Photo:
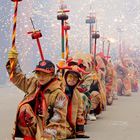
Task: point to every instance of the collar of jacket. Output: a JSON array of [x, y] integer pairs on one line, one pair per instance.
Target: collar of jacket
[[51, 84], [51, 87]]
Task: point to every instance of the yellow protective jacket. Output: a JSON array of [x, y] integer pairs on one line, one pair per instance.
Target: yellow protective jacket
[[54, 97], [75, 114]]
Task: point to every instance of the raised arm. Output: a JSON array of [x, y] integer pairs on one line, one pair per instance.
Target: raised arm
[[19, 79]]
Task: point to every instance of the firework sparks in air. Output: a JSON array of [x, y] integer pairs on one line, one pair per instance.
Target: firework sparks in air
[[111, 15]]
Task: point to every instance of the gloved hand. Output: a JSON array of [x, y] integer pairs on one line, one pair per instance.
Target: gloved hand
[[82, 136], [12, 54]]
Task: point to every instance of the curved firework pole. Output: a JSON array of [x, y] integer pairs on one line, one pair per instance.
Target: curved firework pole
[[95, 36], [103, 43], [63, 17], [90, 20], [12, 64], [66, 28], [109, 41], [36, 34], [108, 50]]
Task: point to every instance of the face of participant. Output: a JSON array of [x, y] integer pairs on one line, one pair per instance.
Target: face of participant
[[43, 77], [72, 79]]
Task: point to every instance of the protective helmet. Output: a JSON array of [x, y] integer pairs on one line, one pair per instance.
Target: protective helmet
[[45, 66], [73, 68]]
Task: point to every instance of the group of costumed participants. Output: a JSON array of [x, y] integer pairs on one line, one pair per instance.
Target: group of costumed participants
[[56, 105], [59, 100]]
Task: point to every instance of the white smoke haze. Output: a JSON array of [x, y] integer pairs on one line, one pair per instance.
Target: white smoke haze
[[118, 19]]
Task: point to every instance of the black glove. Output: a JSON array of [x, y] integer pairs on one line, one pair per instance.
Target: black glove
[[82, 136]]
